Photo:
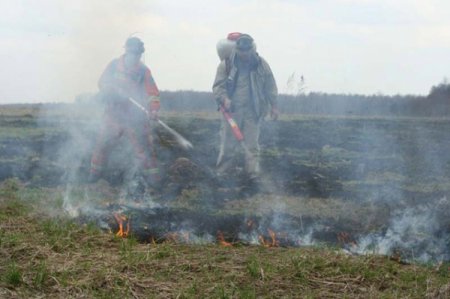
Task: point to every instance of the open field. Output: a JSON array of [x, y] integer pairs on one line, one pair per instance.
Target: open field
[[336, 187]]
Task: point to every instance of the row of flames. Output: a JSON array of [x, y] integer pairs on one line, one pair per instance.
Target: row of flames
[[125, 226], [269, 241]]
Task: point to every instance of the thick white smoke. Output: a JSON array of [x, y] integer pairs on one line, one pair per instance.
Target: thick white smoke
[[416, 233]]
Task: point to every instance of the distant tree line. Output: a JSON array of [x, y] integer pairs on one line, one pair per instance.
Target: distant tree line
[[436, 103]]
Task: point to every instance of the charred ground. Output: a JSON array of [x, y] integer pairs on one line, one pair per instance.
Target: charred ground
[[328, 179]]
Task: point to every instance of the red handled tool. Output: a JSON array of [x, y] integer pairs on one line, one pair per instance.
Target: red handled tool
[[234, 127]]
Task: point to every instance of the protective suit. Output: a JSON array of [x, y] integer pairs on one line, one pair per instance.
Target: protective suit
[[126, 77], [245, 84]]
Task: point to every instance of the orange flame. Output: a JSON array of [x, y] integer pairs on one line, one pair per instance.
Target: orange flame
[[222, 241], [273, 236], [273, 242], [346, 238], [121, 220]]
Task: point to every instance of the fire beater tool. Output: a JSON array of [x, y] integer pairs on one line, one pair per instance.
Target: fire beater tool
[[234, 128], [180, 139]]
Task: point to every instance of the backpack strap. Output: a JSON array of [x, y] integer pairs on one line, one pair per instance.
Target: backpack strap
[[227, 66], [231, 77]]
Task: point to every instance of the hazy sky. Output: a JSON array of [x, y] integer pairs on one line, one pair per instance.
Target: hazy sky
[[53, 50]]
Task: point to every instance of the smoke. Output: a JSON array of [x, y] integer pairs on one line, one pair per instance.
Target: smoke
[[417, 227], [80, 124], [416, 233]]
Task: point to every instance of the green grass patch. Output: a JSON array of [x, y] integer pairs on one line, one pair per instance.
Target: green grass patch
[[12, 276]]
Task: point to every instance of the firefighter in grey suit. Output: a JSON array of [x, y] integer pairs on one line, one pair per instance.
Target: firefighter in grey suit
[[245, 86]]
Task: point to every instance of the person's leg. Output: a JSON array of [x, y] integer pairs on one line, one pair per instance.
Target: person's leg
[[251, 129], [227, 151], [109, 133], [142, 143]]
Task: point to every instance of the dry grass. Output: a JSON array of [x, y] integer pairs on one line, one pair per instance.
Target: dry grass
[[43, 257]]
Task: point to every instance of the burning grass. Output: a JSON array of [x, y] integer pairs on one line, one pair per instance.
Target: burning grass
[[41, 256]]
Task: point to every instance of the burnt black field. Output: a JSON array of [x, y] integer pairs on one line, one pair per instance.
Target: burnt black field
[[348, 181]]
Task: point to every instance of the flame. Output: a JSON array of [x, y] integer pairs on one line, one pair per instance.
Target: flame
[[222, 241], [273, 242], [273, 236], [346, 238], [121, 220]]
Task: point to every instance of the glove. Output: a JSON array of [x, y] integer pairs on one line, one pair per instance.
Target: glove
[[226, 103], [155, 105], [274, 113]]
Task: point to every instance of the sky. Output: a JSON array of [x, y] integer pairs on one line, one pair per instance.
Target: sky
[[53, 50]]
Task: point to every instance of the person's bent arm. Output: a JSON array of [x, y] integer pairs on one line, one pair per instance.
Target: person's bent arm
[[271, 92], [220, 86], [153, 93]]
